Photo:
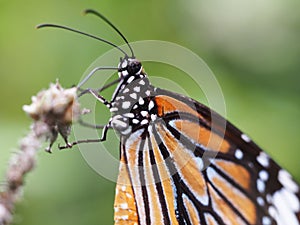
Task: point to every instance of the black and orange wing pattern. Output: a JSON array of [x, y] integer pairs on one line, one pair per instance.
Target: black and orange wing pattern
[[176, 168]]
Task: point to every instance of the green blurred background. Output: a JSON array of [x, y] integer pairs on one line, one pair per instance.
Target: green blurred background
[[252, 47]]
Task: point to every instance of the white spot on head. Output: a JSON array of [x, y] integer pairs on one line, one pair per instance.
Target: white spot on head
[[124, 73], [124, 64], [245, 138], [238, 154], [151, 105], [263, 159], [126, 105], [286, 180], [137, 89], [133, 95], [263, 175], [260, 185]]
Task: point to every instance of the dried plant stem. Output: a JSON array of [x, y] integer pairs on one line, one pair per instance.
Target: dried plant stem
[[53, 112], [21, 164]]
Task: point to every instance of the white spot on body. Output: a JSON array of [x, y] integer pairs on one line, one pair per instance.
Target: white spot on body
[[153, 117], [126, 105], [135, 121], [145, 121], [263, 159], [119, 97], [114, 109], [238, 154], [151, 105], [245, 138], [129, 115], [130, 79], [137, 89], [141, 101], [133, 95], [144, 113]]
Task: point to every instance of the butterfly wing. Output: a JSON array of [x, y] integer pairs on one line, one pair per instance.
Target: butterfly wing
[[186, 168]]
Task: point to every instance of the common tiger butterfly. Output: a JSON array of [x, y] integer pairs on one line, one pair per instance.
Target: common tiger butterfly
[[176, 168]]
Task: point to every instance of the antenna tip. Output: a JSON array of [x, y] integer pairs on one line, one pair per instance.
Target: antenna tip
[[87, 11], [40, 26]]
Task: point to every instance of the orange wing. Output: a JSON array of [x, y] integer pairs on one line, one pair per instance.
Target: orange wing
[[180, 170]]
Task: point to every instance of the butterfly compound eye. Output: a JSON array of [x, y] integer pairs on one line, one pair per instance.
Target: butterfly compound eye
[[134, 67]]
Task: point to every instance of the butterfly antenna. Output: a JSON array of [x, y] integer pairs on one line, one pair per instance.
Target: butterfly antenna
[[83, 33], [91, 11]]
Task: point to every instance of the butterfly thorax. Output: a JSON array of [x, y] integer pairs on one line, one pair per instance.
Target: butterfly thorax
[[131, 103]]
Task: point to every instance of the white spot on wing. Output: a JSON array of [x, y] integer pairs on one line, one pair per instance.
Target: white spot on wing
[[260, 185], [263, 159], [238, 154], [286, 180], [263, 175], [245, 138], [286, 204], [266, 220]]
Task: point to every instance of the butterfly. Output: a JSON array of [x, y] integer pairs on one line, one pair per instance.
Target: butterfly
[[180, 165]]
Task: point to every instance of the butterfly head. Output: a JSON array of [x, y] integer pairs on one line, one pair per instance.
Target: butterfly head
[[130, 66]]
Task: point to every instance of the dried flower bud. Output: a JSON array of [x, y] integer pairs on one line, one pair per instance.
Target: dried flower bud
[[57, 107]]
